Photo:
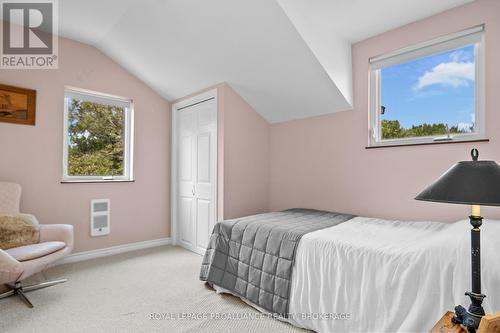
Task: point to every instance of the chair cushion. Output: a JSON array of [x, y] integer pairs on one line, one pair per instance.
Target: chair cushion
[[34, 251]]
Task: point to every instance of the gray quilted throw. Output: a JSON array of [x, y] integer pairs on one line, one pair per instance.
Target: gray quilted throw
[[253, 256]]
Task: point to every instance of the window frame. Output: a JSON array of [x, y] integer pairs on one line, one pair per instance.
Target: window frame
[[474, 35], [97, 97]]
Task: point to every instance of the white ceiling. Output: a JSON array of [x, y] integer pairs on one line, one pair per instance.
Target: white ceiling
[[289, 59], [355, 20]]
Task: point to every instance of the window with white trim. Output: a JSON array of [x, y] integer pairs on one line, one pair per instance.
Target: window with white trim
[[98, 137], [429, 93]]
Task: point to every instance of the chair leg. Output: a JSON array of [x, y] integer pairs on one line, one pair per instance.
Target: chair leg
[[7, 294], [19, 290], [23, 297], [43, 285]]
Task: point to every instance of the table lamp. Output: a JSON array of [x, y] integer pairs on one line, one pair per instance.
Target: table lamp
[[472, 183]]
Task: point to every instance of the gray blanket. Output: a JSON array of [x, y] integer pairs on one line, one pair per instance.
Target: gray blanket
[[253, 256]]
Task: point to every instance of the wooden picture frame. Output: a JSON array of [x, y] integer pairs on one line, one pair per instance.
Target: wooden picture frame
[[17, 105]]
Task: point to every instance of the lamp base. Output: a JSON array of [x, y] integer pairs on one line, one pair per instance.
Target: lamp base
[[472, 317]]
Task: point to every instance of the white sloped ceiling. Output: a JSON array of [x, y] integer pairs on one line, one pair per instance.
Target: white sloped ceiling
[[289, 60]]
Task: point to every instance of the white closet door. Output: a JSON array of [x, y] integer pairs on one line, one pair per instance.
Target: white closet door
[[197, 174], [186, 176]]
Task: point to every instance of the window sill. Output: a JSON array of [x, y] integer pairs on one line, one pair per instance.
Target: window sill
[[425, 143], [96, 181]]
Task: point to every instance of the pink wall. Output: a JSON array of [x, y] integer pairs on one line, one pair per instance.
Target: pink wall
[[32, 155], [243, 155], [318, 162], [246, 158], [322, 162]]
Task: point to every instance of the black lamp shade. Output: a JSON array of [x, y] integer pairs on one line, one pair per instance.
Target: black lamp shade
[[467, 182]]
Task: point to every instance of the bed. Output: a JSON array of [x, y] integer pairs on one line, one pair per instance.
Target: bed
[[351, 273]]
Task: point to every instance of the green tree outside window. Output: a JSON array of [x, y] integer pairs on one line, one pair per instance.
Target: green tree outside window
[[96, 139], [391, 129]]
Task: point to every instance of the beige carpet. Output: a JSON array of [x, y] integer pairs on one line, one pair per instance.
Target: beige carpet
[[119, 293]]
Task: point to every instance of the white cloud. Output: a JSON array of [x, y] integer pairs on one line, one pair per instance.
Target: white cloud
[[460, 55], [465, 127], [454, 74]]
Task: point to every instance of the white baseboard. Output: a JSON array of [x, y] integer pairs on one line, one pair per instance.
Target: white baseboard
[[109, 251]]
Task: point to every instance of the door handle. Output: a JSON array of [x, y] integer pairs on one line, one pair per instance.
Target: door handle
[[192, 190]]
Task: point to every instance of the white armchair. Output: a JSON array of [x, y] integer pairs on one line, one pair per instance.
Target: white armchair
[[19, 263]]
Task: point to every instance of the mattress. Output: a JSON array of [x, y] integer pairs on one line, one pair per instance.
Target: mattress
[[373, 275]]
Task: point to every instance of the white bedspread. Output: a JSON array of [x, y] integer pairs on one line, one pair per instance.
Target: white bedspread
[[389, 275]]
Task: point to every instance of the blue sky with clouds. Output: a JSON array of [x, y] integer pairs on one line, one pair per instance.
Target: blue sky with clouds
[[434, 89]]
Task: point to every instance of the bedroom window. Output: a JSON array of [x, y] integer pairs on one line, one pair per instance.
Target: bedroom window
[[98, 137], [429, 93]]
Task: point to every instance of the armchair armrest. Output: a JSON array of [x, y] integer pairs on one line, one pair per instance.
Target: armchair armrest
[[10, 268], [57, 232]]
